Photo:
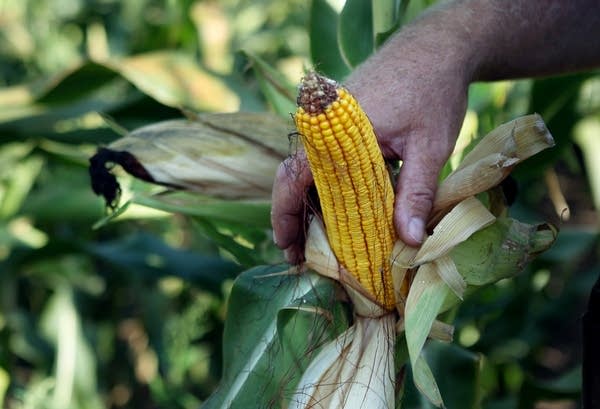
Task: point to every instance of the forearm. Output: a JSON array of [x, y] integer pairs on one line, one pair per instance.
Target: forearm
[[528, 38], [499, 39]]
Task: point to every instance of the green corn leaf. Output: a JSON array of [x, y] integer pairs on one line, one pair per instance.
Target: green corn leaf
[[458, 373], [172, 78], [324, 48], [149, 258], [280, 93], [264, 355], [355, 31], [247, 213]]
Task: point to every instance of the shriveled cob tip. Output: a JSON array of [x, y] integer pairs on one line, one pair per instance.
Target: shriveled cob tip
[[316, 93]]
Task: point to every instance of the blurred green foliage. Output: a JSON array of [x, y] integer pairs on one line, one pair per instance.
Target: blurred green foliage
[[131, 314]]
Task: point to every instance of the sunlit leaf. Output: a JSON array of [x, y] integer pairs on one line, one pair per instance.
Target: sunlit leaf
[[586, 136], [172, 78], [176, 79], [75, 367], [355, 31], [20, 173], [324, 48], [274, 86]]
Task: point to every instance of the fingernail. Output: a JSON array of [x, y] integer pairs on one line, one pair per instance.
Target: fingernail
[[274, 237], [416, 229]]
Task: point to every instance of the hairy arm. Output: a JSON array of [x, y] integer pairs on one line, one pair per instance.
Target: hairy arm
[[414, 90]]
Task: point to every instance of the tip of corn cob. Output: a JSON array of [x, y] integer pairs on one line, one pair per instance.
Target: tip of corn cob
[[316, 93]]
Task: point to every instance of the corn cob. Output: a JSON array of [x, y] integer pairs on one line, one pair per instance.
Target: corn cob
[[352, 181]]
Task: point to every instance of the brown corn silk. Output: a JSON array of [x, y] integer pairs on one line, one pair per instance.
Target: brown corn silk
[[351, 177]]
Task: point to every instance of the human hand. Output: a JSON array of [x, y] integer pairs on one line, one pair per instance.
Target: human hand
[[416, 99]]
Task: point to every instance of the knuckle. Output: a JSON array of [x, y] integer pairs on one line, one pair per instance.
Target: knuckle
[[294, 169], [421, 197]]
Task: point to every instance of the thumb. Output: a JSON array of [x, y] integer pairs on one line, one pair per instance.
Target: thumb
[[416, 188], [290, 187]]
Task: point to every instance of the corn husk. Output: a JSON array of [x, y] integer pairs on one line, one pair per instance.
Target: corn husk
[[230, 156], [435, 280], [491, 160], [354, 371], [318, 253]]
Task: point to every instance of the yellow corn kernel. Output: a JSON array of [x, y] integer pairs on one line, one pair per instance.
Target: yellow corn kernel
[[351, 177]]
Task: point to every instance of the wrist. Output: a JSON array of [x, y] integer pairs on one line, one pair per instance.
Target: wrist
[[443, 43]]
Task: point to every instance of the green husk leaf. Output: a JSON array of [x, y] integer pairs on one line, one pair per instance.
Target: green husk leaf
[[425, 298], [425, 381], [501, 250]]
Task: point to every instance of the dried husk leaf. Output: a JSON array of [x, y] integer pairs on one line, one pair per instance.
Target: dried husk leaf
[[520, 138], [401, 259], [491, 160], [357, 369], [354, 371], [441, 331], [472, 179], [459, 224], [229, 156], [318, 253], [449, 273], [436, 276], [310, 387], [363, 302]]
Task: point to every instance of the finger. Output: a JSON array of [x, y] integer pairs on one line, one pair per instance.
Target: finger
[[292, 180], [417, 184]]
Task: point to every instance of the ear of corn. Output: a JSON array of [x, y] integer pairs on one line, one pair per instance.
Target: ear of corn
[[354, 187]]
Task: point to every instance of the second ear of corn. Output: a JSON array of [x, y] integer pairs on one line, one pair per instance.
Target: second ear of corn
[[354, 187]]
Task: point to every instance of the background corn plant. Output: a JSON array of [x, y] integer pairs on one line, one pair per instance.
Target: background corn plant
[[130, 313]]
